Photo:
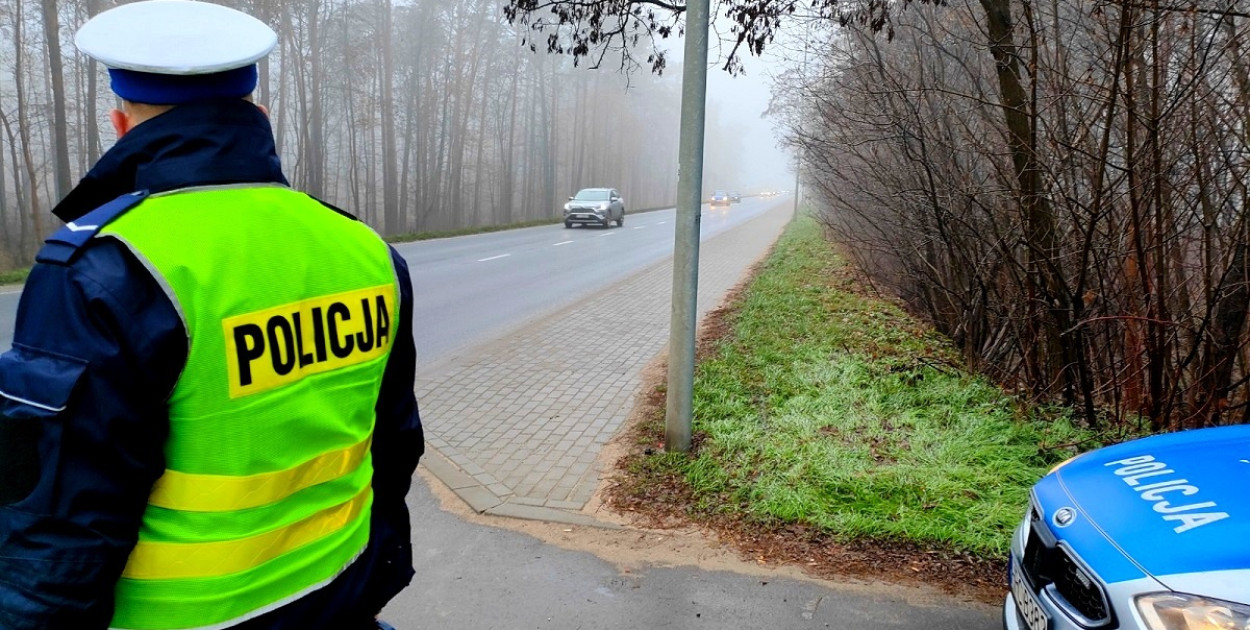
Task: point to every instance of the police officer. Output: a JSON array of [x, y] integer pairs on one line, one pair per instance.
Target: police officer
[[207, 417]]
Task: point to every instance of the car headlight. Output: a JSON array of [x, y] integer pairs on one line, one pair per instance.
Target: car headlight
[[1178, 611], [566, 207], [603, 206]]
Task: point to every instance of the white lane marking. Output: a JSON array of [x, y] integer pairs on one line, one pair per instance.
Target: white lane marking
[[661, 222], [494, 257], [10, 292], [562, 243], [640, 227], [603, 235]]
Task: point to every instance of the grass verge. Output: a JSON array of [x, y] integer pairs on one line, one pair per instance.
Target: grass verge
[[16, 276], [826, 419]]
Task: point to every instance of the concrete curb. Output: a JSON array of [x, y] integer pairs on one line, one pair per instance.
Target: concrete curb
[[482, 500]]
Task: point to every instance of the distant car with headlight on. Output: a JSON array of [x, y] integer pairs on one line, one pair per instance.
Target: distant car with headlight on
[[1152, 534]]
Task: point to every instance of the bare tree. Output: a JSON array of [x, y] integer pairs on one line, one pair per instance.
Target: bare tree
[[60, 126]]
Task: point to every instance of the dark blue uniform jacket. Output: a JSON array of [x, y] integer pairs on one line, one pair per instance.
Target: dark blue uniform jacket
[[97, 349]]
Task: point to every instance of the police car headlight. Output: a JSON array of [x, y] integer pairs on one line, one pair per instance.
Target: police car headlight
[[1178, 611], [566, 207], [603, 206]]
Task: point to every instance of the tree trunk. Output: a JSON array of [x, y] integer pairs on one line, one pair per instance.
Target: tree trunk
[[19, 189], [1229, 320], [29, 239], [1059, 362], [315, 148], [60, 126], [390, 175], [507, 155], [94, 146]]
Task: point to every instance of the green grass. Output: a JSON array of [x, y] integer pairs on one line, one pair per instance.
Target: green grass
[[14, 277], [836, 411]]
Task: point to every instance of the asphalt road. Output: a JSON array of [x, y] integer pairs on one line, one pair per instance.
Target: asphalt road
[[8, 312], [471, 289]]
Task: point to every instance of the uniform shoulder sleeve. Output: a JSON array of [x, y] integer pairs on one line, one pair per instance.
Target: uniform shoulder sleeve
[[97, 346], [63, 246]]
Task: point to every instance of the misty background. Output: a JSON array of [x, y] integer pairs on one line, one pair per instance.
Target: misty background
[[416, 116]]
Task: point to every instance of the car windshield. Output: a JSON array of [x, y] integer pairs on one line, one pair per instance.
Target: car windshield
[[592, 195]]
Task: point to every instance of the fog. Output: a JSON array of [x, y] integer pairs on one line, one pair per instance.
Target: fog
[[742, 143], [417, 116]]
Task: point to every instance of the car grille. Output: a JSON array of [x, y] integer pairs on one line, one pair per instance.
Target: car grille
[[1044, 565], [1076, 586]]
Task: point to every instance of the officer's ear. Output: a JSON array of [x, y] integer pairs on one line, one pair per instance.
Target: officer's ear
[[121, 122]]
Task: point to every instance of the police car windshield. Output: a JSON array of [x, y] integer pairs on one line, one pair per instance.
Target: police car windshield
[[592, 195]]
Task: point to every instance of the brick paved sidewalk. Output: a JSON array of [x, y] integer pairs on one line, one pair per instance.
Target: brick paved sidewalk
[[515, 427]]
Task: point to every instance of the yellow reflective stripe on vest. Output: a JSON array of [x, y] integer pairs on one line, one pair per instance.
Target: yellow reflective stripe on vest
[[219, 493], [168, 561]]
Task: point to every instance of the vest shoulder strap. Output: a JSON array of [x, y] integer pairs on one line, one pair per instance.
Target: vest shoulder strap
[[62, 247]]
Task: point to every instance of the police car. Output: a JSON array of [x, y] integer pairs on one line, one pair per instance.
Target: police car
[[1152, 534]]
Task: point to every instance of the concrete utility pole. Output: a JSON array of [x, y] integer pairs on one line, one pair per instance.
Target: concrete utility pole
[[681, 337]]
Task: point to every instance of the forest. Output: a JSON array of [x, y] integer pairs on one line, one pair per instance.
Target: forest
[[1059, 185], [417, 116]]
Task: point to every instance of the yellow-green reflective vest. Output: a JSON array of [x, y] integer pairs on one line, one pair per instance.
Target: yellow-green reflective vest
[[289, 308]]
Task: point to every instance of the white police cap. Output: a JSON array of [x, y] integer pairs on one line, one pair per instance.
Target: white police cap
[[175, 37]]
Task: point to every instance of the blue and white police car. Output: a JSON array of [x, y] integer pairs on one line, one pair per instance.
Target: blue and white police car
[[1152, 534]]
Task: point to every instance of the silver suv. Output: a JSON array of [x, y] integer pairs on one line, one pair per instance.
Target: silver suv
[[595, 206]]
